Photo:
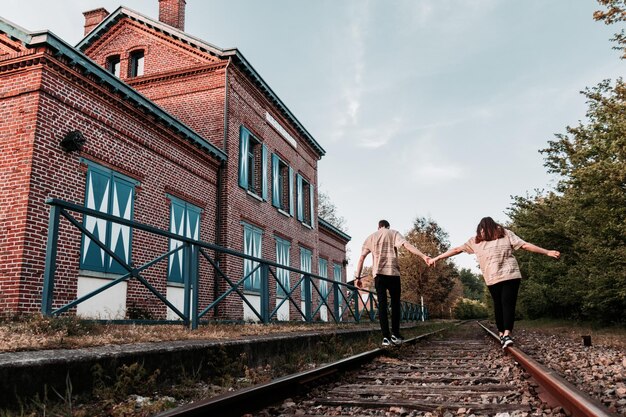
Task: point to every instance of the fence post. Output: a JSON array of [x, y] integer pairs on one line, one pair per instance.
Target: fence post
[[307, 298], [265, 293], [336, 301], [357, 308], [187, 283], [193, 271], [51, 260]]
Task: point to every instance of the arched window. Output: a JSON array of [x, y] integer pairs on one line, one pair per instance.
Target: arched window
[[113, 65], [135, 66]]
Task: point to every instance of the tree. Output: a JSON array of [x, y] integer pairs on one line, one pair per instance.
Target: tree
[[473, 284], [615, 12], [435, 284], [585, 218], [328, 211]]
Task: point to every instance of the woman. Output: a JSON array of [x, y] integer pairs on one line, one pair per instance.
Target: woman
[[493, 246]]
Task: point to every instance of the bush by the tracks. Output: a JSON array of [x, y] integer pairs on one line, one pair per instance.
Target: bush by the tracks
[[467, 309]]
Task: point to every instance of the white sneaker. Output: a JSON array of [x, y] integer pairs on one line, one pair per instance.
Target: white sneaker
[[386, 342], [397, 340], [506, 341]]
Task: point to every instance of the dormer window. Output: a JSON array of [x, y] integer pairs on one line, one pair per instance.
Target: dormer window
[[113, 65], [135, 67]]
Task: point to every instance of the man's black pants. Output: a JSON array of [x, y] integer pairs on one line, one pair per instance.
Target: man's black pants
[[383, 284]]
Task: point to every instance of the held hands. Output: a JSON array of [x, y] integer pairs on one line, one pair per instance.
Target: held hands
[[430, 261]]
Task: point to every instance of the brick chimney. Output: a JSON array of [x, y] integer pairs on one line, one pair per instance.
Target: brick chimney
[[172, 12], [93, 18]]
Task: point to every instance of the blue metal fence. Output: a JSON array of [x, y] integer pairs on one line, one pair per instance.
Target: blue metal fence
[[349, 304]]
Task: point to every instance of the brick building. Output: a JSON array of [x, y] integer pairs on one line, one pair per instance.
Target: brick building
[[172, 132]]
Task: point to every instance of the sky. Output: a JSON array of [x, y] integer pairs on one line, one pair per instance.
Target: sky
[[426, 108]]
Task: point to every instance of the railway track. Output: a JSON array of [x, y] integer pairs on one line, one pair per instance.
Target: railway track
[[460, 372]]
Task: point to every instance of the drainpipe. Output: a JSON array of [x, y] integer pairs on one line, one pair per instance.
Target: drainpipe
[[220, 184]]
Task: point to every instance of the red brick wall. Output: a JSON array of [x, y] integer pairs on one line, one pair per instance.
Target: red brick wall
[[161, 52], [247, 107], [196, 98], [18, 114], [120, 137]]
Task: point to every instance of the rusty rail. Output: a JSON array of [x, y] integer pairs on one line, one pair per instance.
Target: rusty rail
[[571, 398]]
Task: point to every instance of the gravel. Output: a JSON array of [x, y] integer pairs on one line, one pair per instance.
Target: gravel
[[599, 370]]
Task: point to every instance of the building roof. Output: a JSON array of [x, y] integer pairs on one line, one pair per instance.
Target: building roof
[[232, 53], [87, 66], [325, 225]]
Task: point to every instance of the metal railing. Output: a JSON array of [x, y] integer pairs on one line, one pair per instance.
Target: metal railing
[[348, 303]]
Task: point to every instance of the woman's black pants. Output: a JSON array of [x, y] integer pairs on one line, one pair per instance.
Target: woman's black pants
[[504, 295]]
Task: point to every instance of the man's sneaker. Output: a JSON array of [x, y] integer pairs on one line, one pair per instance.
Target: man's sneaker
[[386, 342], [506, 341], [397, 340], [501, 340]]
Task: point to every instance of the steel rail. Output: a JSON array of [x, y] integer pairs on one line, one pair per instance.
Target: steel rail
[[248, 399], [578, 403]]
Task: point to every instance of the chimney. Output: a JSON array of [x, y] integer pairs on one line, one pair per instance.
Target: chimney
[[172, 12], [93, 18]]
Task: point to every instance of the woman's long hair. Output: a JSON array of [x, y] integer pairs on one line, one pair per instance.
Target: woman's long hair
[[488, 230]]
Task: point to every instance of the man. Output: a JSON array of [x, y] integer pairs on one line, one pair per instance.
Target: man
[[383, 245]]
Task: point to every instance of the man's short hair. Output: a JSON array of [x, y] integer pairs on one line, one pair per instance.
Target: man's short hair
[[383, 223]]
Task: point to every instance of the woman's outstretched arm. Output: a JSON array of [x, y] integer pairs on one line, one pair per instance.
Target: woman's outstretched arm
[[536, 249]]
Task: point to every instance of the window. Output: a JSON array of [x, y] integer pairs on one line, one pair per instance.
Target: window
[[112, 193], [323, 272], [184, 221], [252, 239], [282, 185], [305, 201], [337, 273], [252, 164], [283, 248], [113, 65], [305, 265], [135, 67]]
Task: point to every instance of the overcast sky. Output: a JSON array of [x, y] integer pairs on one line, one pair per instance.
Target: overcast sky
[[426, 108]]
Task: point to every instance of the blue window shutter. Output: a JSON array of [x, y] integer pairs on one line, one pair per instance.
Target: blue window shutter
[[337, 273], [291, 208], [177, 226], [323, 272], [252, 246], [120, 237], [300, 198], [96, 198], [282, 258], [312, 199], [264, 172], [256, 236], [193, 222], [275, 181], [305, 264], [244, 143]]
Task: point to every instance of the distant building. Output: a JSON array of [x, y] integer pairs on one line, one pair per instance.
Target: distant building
[[163, 129]]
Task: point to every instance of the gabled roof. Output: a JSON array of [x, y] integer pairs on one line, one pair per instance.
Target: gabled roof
[[87, 66], [233, 53]]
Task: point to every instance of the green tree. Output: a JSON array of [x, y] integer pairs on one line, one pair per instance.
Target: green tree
[[473, 284], [585, 219], [435, 284]]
